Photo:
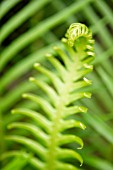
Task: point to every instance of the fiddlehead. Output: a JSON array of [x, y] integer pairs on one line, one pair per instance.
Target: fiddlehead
[[79, 37], [64, 89]]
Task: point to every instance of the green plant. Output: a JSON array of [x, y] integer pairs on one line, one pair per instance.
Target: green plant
[[53, 117], [29, 30]]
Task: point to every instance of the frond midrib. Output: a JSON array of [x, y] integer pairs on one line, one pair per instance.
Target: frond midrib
[[57, 123]]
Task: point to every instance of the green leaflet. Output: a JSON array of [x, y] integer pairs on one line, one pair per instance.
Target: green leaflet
[[19, 160], [52, 119], [23, 158]]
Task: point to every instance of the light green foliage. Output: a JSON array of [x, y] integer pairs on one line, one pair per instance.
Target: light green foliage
[[29, 31], [53, 117]]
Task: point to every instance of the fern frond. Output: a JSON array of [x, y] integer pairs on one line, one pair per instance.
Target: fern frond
[[53, 118]]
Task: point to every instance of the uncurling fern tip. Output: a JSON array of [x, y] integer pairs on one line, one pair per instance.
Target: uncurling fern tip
[[64, 87]]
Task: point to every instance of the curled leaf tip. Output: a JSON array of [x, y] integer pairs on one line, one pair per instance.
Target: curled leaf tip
[[81, 146], [83, 109], [24, 95], [75, 31], [88, 66], [87, 81], [82, 126], [90, 53], [36, 64], [64, 40], [31, 79], [87, 94], [13, 111], [81, 164], [48, 55], [55, 48]]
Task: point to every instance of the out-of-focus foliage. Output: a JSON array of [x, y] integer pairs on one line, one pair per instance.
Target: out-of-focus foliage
[[29, 30]]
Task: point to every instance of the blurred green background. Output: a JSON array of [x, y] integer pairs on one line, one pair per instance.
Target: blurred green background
[[29, 29]]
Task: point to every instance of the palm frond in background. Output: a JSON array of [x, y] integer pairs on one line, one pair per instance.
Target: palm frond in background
[[29, 29]]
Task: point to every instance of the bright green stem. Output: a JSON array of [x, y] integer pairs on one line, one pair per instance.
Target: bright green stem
[[51, 165]]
